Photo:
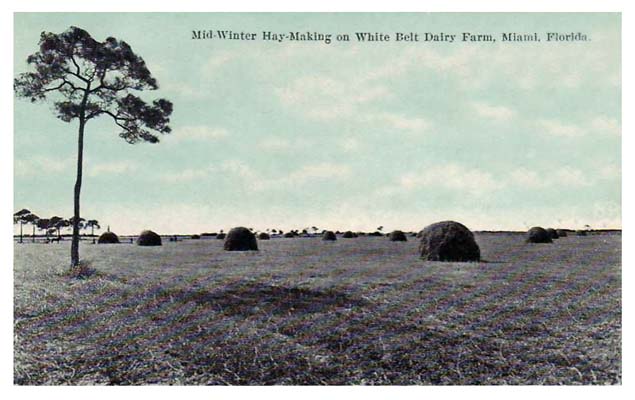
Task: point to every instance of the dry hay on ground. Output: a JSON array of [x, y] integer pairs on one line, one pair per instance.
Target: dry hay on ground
[[108, 238], [329, 235], [240, 239], [397, 236], [538, 234], [448, 241], [149, 238]]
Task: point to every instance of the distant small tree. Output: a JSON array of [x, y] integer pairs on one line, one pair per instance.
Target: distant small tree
[[33, 220], [43, 224], [88, 79], [92, 224], [20, 218], [57, 223]]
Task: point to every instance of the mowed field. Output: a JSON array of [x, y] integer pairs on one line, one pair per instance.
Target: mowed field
[[304, 311]]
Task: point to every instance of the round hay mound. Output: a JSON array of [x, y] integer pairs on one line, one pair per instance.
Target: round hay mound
[[348, 235], [108, 238], [397, 236], [221, 236], [263, 236], [149, 238], [553, 233], [289, 235], [538, 235], [240, 239], [580, 233], [448, 241], [329, 235], [561, 232]]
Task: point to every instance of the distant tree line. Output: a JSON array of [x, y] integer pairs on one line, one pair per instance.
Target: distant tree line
[[50, 226]]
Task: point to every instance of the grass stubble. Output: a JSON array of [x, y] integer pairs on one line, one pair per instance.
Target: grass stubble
[[308, 312]]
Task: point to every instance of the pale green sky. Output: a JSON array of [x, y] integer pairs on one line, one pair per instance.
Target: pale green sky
[[342, 135]]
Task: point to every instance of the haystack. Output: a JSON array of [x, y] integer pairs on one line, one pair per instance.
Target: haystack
[[397, 236], [108, 238], [538, 235], [289, 235], [561, 232], [329, 235], [553, 233], [448, 241], [240, 239], [263, 236], [195, 237], [348, 235], [149, 238]]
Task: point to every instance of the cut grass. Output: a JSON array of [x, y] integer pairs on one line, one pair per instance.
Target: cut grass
[[307, 312]]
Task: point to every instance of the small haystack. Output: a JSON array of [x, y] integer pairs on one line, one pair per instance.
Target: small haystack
[[538, 235], [149, 238], [263, 236], [553, 233], [348, 235], [289, 235], [240, 239], [448, 241], [108, 238], [397, 236], [561, 232], [329, 235], [195, 237]]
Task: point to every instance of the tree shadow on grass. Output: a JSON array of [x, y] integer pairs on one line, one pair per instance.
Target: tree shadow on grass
[[248, 298]]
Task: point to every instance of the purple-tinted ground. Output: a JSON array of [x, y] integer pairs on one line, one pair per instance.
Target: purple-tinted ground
[[304, 311]]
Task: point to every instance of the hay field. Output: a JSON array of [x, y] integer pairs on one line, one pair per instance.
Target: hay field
[[305, 311]]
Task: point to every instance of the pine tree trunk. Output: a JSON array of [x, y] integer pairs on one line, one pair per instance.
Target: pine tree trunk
[[76, 194], [20, 231], [78, 181]]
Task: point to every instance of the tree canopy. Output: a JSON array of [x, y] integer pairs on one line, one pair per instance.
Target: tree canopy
[[88, 79]]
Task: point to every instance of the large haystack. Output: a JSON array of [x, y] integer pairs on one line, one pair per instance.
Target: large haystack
[[553, 233], [448, 241], [329, 235], [561, 232], [149, 238], [397, 236], [348, 235], [108, 238], [240, 239], [263, 236], [538, 235]]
